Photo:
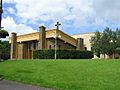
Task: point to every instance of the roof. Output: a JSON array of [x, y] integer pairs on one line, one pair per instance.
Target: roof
[[49, 34]]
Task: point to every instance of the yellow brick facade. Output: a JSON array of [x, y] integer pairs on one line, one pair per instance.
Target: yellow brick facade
[[27, 43], [86, 37]]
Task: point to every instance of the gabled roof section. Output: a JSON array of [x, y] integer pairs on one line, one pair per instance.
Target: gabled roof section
[[27, 37], [49, 34], [63, 36], [67, 38]]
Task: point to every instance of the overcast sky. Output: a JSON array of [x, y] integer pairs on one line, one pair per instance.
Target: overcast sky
[[76, 16]]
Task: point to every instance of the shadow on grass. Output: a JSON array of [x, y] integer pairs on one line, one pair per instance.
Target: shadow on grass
[[1, 77], [1, 60]]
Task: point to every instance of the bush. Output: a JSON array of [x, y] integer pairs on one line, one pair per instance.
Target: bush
[[4, 50], [62, 54], [5, 56]]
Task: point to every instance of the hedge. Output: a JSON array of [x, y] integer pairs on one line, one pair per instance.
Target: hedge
[[62, 54], [4, 56]]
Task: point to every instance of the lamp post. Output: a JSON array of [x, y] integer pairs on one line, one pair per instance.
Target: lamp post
[[1, 11], [3, 32], [57, 25], [55, 44]]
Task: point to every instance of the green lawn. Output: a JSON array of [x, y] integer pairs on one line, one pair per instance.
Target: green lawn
[[65, 74]]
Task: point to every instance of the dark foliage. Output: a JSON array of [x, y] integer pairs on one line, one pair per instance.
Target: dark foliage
[[4, 50], [3, 33], [62, 54]]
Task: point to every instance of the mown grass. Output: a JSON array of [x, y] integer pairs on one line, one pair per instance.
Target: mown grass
[[65, 74]]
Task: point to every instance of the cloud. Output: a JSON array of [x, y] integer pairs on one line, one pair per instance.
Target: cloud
[[68, 12], [109, 9], [79, 15], [8, 1], [51, 9], [11, 10], [10, 25]]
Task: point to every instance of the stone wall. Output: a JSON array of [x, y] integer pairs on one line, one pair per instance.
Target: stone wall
[[42, 37], [86, 37], [80, 44], [13, 46]]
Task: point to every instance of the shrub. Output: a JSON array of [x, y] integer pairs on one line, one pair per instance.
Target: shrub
[[5, 56], [62, 54], [4, 50]]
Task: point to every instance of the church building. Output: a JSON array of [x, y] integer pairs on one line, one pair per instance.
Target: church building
[[22, 46]]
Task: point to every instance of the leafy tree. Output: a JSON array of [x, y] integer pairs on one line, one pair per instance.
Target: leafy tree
[[4, 50], [4, 45], [118, 51], [105, 43], [118, 37], [96, 41], [3, 33]]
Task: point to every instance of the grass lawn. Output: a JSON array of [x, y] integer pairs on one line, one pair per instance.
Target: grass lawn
[[65, 74]]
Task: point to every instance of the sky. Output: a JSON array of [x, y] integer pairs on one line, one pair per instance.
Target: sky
[[75, 16]]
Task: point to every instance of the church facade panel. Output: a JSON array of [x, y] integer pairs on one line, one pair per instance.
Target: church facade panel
[[44, 39]]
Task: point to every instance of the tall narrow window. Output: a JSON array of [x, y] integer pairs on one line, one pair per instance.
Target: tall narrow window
[[29, 45], [50, 46], [35, 45], [85, 48]]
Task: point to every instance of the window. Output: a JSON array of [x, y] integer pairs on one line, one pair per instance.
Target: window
[[35, 45], [50, 46], [29, 45], [85, 48]]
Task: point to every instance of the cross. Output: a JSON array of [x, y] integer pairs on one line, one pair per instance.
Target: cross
[[57, 25]]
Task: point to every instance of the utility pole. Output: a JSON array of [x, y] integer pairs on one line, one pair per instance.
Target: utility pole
[[1, 11]]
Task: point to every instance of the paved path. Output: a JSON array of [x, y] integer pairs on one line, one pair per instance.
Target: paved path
[[11, 85]]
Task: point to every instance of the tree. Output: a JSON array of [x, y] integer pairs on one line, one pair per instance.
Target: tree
[[96, 43], [4, 50], [3, 33], [118, 51], [105, 43], [118, 37], [4, 45]]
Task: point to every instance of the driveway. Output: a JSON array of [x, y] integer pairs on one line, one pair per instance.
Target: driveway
[[11, 85]]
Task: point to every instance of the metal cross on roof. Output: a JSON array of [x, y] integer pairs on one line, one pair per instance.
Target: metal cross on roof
[[57, 25]]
